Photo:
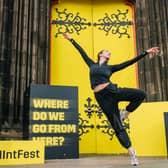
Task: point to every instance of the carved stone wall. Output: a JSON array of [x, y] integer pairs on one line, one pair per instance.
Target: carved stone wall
[[24, 54], [24, 51], [152, 30]]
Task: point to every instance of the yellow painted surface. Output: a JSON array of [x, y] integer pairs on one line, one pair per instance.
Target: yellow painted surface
[[122, 49], [21, 152], [148, 130], [67, 68]]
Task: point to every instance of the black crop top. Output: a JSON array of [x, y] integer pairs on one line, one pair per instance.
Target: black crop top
[[101, 73]]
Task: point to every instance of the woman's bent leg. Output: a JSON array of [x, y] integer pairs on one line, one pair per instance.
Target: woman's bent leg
[[134, 96]]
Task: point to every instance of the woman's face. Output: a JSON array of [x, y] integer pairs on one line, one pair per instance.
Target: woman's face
[[106, 54]]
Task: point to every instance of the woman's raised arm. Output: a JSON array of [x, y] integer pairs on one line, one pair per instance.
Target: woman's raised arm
[[86, 58]]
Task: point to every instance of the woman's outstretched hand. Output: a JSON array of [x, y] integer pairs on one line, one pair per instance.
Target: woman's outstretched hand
[[153, 51], [67, 36]]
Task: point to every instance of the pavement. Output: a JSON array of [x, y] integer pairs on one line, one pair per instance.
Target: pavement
[[100, 161]]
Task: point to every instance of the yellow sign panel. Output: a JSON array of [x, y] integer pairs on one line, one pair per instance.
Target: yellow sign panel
[[148, 130], [21, 152]]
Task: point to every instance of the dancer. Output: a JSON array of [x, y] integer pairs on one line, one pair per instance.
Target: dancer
[[108, 95]]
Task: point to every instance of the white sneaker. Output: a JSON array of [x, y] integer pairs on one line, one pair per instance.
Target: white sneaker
[[123, 115], [134, 160]]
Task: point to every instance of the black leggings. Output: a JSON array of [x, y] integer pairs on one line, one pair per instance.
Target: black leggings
[[108, 101]]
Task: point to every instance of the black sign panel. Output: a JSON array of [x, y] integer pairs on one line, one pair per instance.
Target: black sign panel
[[166, 129], [54, 119]]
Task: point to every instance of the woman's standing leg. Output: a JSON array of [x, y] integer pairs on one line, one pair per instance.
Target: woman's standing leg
[[109, 105], [135, 97]]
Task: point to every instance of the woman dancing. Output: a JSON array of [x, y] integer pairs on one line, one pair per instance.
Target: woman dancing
[[108, 95]]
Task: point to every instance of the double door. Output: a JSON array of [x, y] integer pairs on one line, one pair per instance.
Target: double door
[[95, 25]]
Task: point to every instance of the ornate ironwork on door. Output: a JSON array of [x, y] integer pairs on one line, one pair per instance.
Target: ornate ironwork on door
[[69, 22], [85, 126], [114, 23]]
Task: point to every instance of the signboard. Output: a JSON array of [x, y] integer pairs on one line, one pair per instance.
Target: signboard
[[54, 119], [21, 152], [166, 129]]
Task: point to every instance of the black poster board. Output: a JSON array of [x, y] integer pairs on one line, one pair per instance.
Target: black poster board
[[54, 119], [166, 129]]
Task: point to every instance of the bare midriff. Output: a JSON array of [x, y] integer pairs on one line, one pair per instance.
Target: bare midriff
[[100, 86]]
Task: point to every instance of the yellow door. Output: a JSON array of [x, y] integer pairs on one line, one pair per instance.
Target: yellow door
[[67, 66], [113, 30], [95, 25]]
